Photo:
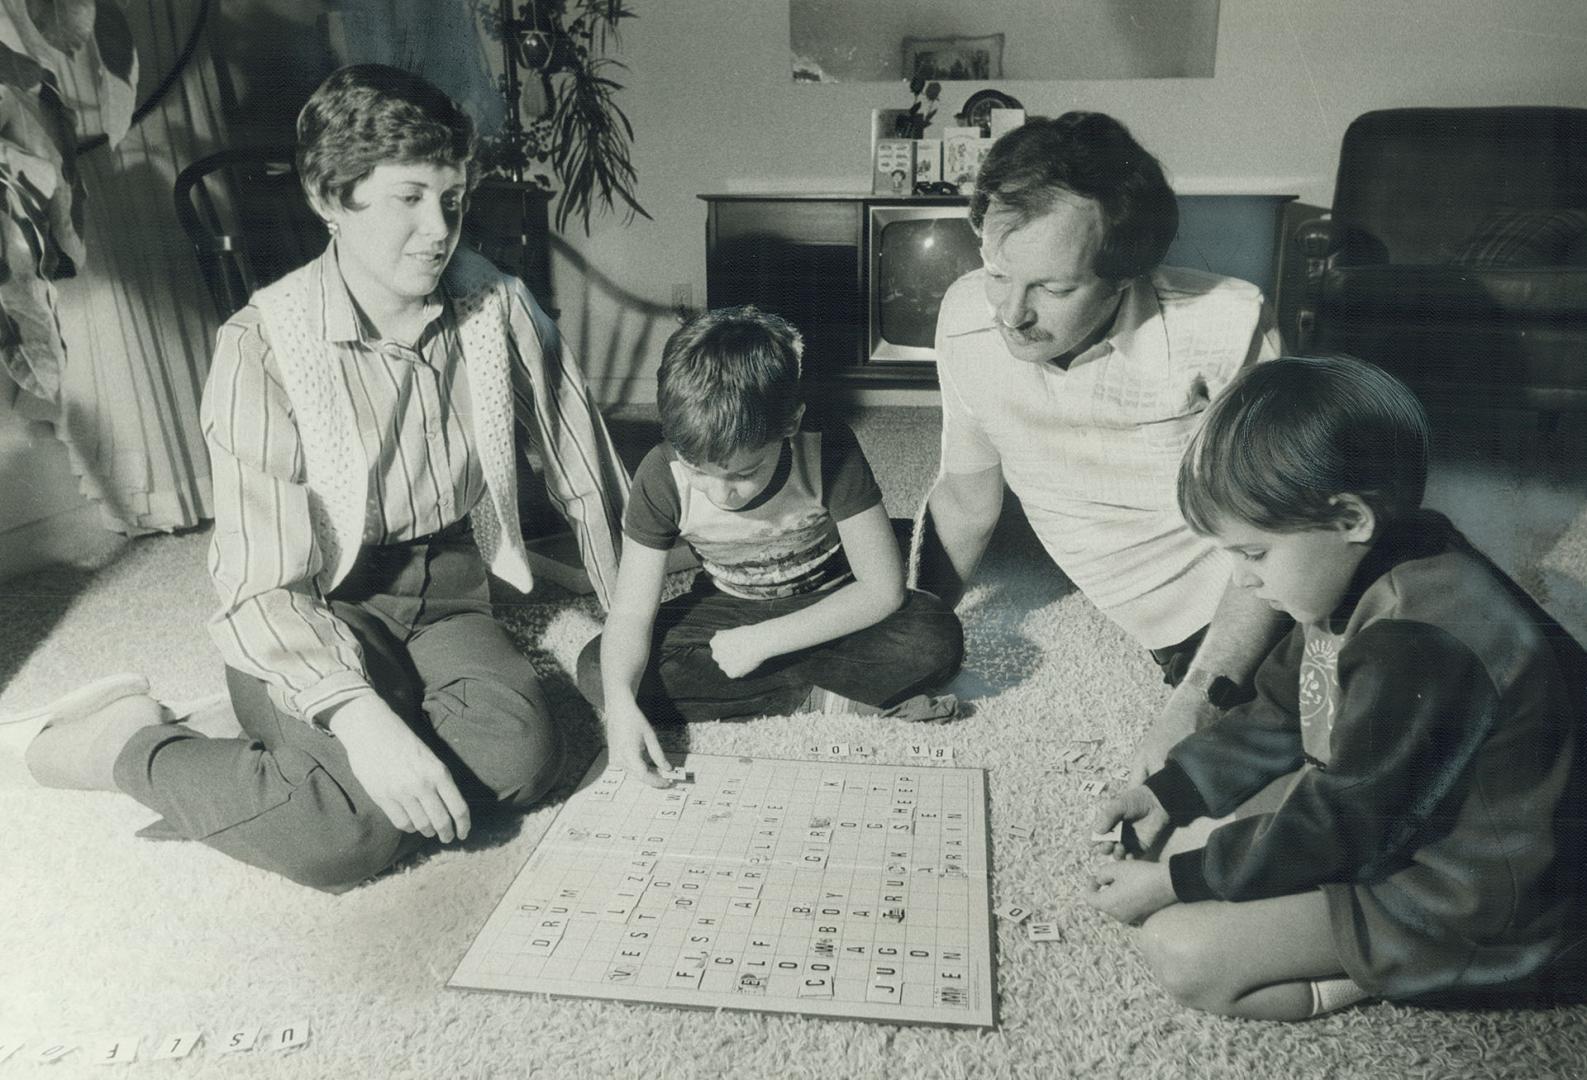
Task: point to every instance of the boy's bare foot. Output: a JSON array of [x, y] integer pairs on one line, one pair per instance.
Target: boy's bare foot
[[79, 750]]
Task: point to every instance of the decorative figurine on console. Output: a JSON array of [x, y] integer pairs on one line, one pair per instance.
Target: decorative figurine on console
[[912, 124]]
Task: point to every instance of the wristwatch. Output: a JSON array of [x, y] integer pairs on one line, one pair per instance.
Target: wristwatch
[[1220, 691]]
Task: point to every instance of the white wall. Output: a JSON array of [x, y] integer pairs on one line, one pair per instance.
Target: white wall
[[710, 95], [1089, 39], [714, 109]]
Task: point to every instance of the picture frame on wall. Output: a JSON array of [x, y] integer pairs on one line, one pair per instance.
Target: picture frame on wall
[[960, 57]]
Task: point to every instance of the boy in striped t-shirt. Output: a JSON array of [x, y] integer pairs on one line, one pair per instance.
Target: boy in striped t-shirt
[[801, 602]]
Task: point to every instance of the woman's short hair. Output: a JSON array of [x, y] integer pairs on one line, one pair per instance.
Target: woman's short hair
[[365, 115], [1289, 435], [728, 382], [1094, 156]]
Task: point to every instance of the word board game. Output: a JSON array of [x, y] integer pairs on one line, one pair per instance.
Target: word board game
[[815, 887]]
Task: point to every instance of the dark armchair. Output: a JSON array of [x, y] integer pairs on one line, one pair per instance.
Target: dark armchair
[[1456, 254]]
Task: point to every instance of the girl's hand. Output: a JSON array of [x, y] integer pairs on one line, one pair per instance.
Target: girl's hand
[[1130, 890]]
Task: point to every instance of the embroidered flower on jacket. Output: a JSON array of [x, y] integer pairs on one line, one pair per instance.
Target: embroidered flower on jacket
[[1319, 694]]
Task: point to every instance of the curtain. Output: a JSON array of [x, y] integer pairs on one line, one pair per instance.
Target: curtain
[[137, 320]]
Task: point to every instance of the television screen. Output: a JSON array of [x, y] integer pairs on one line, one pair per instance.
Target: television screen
[[915, 260]]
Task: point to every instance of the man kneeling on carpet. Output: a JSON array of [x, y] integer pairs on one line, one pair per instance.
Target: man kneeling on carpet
[[1074, 370], [360, 417], [1404, 803], [801, 603]]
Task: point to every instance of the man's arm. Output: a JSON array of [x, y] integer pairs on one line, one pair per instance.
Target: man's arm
[[1243, 629], [955, 526], [1242, 632]]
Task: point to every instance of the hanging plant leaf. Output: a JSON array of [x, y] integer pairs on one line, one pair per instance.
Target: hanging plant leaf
[[114, 61], [31, 350], [593, 136], [22, 73], [113, 38], [41, 191], [65, 24], [36, 160], [106, 54]]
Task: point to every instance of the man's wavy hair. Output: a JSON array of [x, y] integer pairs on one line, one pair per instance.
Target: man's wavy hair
[[1094, 156], [1289, 435], [365, 115], [728, 382]]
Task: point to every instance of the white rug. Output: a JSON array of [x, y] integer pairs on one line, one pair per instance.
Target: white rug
[[105, 935]]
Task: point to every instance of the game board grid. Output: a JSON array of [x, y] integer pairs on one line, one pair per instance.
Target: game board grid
[[738, 892]]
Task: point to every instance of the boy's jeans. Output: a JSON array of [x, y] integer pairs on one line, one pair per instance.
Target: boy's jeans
[[915, 649]]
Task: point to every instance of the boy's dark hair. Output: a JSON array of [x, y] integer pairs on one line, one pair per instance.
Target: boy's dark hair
[[1289, 435], [729, 381], [1094, 156], [365, 115]]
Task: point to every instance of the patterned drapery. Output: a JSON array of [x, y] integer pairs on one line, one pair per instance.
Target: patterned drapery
[[137, 320]]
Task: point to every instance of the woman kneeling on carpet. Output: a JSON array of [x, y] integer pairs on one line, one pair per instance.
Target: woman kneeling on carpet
[[1404, 794], [360, 416]]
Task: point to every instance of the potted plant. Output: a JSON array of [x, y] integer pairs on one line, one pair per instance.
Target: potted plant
[[41, 193], [581, 133]]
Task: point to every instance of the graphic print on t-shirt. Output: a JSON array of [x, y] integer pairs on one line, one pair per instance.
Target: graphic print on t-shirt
[[783, 548], [785, 541]]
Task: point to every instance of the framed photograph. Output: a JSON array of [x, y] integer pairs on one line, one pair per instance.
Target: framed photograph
[[954, 57]]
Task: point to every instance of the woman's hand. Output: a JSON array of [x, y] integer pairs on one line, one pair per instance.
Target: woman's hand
[[1130, 890], [404, 777], [629, 736]]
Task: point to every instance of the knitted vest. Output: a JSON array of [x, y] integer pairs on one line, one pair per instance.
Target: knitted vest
[[333, 454]]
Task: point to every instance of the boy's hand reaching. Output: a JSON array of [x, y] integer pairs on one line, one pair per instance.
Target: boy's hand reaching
[[629, 736], [1138, 808], [737, 651], [1130, 890]]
